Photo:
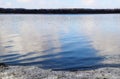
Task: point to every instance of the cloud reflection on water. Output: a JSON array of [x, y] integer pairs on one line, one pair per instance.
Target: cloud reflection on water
[[60, 41]]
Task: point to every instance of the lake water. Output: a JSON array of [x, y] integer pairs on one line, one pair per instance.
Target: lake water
[[60, 41]]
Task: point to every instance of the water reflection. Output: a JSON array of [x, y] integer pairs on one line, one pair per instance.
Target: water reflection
[[104, 34], [59, 42]]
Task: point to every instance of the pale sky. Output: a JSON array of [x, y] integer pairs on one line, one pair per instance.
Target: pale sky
[[37, 4]]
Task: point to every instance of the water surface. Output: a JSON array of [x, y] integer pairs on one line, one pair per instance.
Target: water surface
[[60, 41]]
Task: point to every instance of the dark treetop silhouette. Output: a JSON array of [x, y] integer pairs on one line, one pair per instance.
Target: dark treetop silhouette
[[58, 11]]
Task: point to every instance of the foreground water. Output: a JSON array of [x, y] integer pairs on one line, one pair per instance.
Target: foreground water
[[60, 41]]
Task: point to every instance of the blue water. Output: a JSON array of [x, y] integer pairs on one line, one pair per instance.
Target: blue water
[[60, 41]]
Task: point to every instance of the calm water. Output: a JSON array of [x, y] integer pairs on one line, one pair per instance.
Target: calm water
[[60, 41]]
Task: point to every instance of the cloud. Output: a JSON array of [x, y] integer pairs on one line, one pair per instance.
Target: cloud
[[1, 2], [24, 1], [88, 2], [8, 4], [60, 3], [5, 4]]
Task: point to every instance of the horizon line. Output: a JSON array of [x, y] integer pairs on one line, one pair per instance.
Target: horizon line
[[58, 8]]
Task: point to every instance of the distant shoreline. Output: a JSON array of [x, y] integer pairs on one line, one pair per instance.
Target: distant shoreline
[[58, 11]]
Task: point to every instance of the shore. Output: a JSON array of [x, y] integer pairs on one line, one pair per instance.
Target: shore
[[58, 11], [34, 72]]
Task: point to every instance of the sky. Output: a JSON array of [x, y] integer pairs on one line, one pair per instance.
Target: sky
[[38, 4]]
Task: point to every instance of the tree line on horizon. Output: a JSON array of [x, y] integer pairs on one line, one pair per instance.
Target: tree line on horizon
[[58, 11]]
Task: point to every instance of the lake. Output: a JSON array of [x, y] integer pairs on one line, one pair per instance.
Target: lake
[[60, 41]]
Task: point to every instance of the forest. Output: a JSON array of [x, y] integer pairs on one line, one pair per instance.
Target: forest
[[57, 11]]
